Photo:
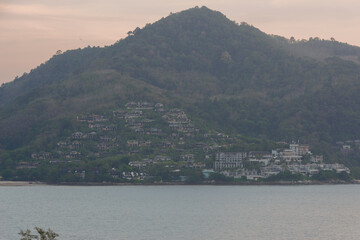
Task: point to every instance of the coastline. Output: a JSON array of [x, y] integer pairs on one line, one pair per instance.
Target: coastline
[[278, 183], [19, 183]]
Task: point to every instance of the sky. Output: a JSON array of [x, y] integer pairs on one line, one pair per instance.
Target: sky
[[31, 31]]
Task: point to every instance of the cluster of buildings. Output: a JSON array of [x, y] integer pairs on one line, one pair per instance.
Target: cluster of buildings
[[178, 121], [99, 134], [254, 165], [186, 161], [153, 133]]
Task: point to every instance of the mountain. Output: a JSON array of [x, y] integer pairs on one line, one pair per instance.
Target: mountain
[[228, 77]]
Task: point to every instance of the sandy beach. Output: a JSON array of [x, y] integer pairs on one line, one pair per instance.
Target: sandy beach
[[18, 183]]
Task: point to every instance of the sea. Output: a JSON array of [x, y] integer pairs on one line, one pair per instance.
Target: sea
[[183, 212]]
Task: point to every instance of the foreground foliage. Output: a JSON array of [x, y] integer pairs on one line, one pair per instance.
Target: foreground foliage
[[40, 234]]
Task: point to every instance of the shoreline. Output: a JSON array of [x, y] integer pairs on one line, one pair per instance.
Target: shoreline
[[89, 184], [19, 183]]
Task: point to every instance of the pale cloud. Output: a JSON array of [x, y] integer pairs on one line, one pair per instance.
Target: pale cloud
[[312, 3], [292, 2], [54, 12], [33, 9]]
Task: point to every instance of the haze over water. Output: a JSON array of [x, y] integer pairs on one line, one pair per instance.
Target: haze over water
[[183, 212]]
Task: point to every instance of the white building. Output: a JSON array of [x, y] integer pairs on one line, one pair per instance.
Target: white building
[[226, 160]]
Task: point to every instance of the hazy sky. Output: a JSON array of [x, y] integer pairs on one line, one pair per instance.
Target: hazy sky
[[31, 31]]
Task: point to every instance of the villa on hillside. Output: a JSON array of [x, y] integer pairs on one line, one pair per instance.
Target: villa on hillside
[[224, 160]]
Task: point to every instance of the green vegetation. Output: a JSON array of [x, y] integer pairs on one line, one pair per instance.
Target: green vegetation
[[228, 78], [331, 175], [322, 176], [286, 176], [40, 235]]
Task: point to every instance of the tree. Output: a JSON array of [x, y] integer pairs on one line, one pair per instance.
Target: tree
[[41, 234], [306, 158], [136, 30], [225, 57]]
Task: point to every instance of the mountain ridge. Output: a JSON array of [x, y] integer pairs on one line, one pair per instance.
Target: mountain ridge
[[73, 66], [230, 77]]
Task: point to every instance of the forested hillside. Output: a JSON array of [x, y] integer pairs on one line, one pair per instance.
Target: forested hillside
[[227, 77]]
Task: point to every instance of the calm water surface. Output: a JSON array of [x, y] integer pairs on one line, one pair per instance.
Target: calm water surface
[[183, 212]]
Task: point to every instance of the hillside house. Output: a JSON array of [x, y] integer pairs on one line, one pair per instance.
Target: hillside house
[[187, 157], [155, 131], [77, 135], [262, 161], [346, 149], [300, 149], [62, 144], [41, 156], [139, 105], [99, 118], [76, 144], [226, 160], [138, 164], [92, 135], [165, 144], [119, 113], [161, 158], [110, 128], [308, 169], [271, 170], [317, 159], [133, 143], [95, 126], [259, 154], [288, 155], [139, 130], [107, 139], [103, 147], [146, 143], [73, 154], [335, 166], [304, 149], [159, 105]]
